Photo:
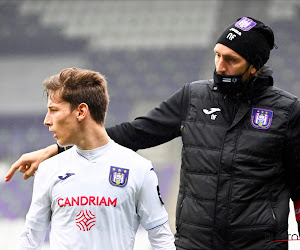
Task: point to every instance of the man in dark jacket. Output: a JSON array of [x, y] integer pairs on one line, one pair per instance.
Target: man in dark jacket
[[241, 145]]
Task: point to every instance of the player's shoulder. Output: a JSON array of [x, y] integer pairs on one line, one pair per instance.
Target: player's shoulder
[[128, 153], [131, 158], [56, 162]]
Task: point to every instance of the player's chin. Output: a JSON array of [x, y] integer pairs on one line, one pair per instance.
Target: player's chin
[[63, 143]]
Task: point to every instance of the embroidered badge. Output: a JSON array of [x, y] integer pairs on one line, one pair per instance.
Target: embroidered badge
[[245, 24], [118, 176], [261, 118]]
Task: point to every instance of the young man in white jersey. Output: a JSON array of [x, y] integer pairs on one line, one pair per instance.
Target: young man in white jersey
[[96, 194]]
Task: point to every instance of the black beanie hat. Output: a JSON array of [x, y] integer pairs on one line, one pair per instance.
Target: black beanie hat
[[251, 39]]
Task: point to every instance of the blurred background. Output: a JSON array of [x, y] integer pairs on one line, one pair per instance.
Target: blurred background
[[146, 49]]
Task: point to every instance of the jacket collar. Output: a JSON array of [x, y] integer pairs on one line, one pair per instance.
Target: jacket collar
[[256, 87]]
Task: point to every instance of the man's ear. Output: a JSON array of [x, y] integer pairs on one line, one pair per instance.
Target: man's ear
[[253, 71], [82, 111]]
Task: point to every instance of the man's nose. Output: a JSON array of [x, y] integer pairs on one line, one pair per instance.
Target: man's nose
[[220, 66], [47, 120]]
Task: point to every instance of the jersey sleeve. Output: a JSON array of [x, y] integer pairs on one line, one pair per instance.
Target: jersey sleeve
[[39, 214], [161, 238], [150, 208], [31, 239]]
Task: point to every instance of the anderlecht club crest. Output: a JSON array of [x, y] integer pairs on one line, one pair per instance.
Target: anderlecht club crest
[[261, 118], [118, 176], [245, 24]]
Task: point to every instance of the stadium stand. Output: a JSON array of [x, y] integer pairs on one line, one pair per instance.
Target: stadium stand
[[129, 24], [286, 58], [146, 49], [23, 34], [17, 130], [134, 71]]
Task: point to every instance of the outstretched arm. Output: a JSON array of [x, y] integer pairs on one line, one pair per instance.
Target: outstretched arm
[[29, 162], [160, 125]]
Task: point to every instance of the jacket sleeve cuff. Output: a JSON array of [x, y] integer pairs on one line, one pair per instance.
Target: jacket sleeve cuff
[[62, 149]]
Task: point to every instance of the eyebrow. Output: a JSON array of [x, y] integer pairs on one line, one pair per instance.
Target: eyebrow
[[228, 55], [51, 106], [231, 56]]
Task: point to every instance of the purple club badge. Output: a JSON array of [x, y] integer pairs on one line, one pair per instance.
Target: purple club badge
[[245, 24], [118, 176], [261, 118]]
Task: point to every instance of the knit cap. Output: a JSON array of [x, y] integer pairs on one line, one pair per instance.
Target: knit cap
[[251, 39]]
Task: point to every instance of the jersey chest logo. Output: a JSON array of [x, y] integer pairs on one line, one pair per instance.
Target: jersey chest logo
[[261, 118], [85, 220], [118, 176], [66, 176]]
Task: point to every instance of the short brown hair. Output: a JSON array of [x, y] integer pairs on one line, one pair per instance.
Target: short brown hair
[[81, 86]]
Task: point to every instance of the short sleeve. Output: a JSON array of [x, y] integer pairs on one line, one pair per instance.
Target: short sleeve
[[150, 207], [39, 214], [31, 239]]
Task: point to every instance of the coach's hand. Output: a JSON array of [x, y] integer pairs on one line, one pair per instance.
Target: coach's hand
[[29, 162]]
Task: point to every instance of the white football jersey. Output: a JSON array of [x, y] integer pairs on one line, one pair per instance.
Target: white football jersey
[[95, 199]]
